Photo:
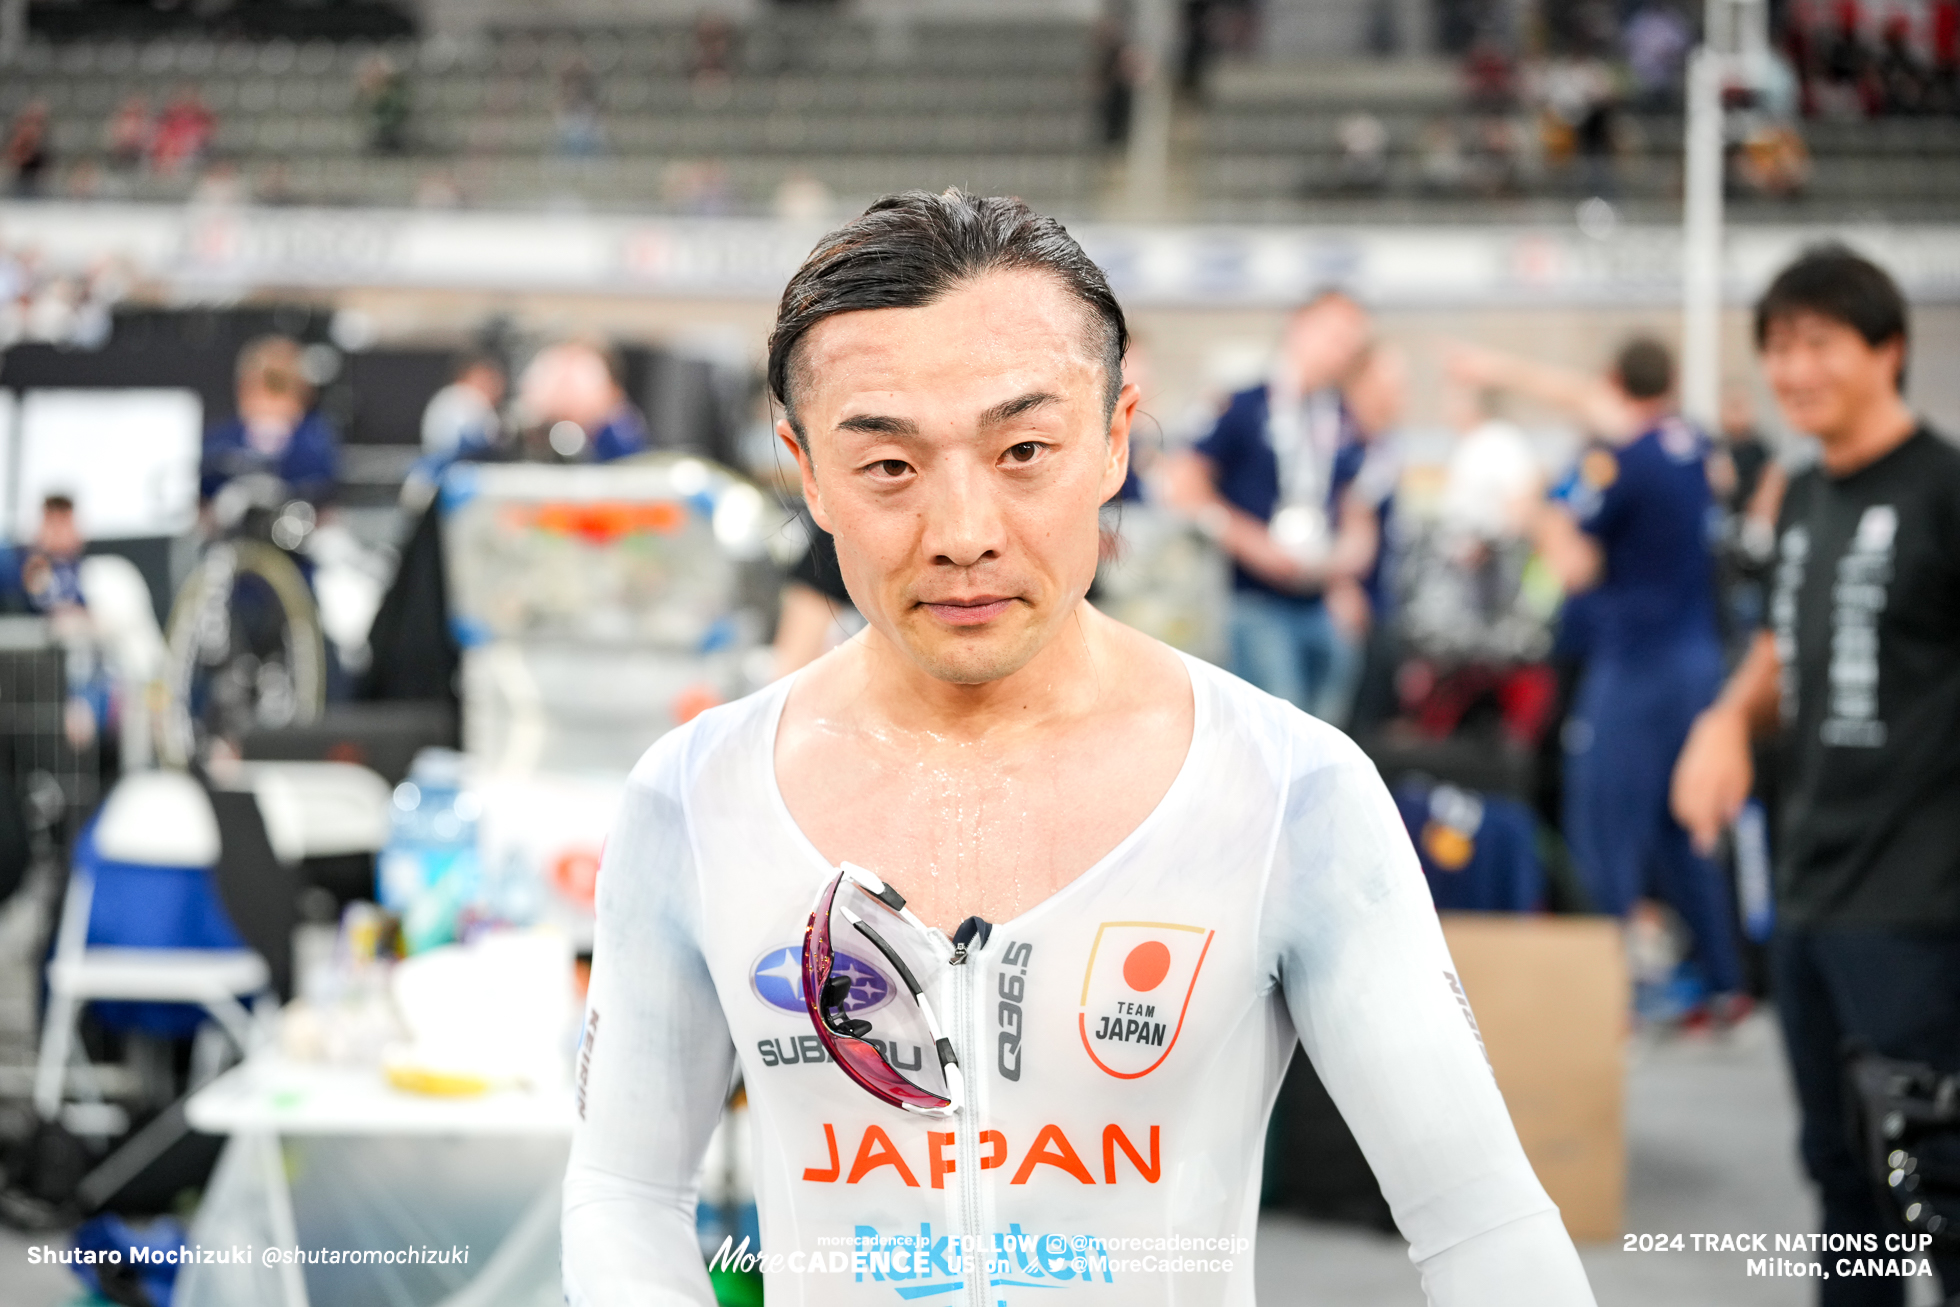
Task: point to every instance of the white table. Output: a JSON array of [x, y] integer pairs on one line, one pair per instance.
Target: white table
[[346, 1130]]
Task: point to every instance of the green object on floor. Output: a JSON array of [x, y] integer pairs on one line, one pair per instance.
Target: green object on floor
[[737, 1288]]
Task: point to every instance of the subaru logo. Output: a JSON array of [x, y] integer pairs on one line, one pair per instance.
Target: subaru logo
[[778, 980]]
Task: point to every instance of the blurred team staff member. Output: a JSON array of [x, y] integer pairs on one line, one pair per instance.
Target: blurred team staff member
[[460, 421], [573, 389], [1633, 532], [461, 418], [277, 432], [1264, 484], [817, 612], [1859, 676], [50, 577]]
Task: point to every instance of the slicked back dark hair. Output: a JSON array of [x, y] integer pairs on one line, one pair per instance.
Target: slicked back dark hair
[[913, 248], [1832, 282], [1644, 367]]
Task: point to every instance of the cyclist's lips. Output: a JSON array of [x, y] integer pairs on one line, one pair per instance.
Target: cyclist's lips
[[975, 610]]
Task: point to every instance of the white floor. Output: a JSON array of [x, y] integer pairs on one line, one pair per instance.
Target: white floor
[[1711, 1144]]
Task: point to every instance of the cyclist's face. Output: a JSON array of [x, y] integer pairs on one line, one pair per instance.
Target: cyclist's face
[[959, 453]]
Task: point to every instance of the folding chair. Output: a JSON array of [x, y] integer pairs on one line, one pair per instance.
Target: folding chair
[[162, 822]]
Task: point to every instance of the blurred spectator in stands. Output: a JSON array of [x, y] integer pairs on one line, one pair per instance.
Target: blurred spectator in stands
[[1943, 21], [29, 151], [1490, 76], [1210, 27], [1905, 82], [1441, 165], [1364, 152], [1773, 160], [801, 197], [571, 393], [1657, 41], [383, 93], [1595, 128], [126, 136], [1847, 86], [182, 134], [1117, 66], [1265, 485], [1579, 118], [277, 431], [1194, 48], [579, 132], [714, 51]]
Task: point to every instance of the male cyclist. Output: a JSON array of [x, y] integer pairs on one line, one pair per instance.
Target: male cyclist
[[1184, 876]]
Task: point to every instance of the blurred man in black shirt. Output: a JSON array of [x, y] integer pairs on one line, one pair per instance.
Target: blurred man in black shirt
[[1859, 676]]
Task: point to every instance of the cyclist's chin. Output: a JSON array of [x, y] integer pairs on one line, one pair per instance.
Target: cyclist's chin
[[976, 654]]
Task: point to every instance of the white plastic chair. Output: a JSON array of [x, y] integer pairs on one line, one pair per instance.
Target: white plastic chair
[[157, 818]]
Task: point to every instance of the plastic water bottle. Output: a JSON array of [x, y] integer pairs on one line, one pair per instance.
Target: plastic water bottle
[[429, 872]]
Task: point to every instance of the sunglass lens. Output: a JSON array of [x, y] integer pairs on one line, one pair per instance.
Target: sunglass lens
[[867, 996]]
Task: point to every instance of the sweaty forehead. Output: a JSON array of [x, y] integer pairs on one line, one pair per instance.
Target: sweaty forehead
[[1002, 330]]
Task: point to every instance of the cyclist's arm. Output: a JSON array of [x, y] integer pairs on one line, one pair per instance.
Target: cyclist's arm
[[1369, 985], [654, 1067]]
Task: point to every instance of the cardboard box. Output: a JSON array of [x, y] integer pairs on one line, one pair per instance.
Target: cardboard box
[[1552, 998]]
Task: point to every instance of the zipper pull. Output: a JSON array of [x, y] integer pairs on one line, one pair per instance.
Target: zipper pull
[[965, 935]]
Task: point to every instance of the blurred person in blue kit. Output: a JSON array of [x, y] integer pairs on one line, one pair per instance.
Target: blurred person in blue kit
[[1633, 534], [44, 577], [277, 430], [572, 391], [1857, 680], [1269, 484]]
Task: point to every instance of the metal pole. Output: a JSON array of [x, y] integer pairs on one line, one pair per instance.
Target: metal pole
[[1701, 238], [1149, 158]]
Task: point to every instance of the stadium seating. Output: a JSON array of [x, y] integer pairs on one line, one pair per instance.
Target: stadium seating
[[680, 118], [1268, 147], [861, 110]]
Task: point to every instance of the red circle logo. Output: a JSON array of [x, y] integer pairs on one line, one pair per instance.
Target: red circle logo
[[1146, 967]]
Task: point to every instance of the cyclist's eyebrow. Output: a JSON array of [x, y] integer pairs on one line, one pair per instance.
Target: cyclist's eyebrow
[[1008, 410], [878, 424]]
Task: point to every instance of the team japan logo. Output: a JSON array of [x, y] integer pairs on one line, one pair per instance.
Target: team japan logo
[[1136, 990]]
